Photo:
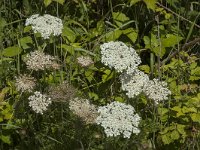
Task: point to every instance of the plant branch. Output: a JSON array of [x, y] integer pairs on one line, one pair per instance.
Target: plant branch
[[169, 10]]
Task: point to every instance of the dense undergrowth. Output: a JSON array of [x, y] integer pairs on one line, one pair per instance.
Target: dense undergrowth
[[164, 36]]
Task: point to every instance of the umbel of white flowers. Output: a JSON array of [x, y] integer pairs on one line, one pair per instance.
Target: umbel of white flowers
[[118, 118], [39, 102], [156, 90], [46, 25], [133, 83], [119, 56]]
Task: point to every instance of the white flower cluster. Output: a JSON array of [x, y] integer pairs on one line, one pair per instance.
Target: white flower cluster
[[85, 61], [37, 60], [46, 25], [83, 109], [118, 118], [156, 90], [119, 56], [133, 83], [25, 83], [39, 102]]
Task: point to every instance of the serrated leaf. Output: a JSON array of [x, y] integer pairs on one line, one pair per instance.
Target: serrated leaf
[[175, 135], [170, 40], [166, 139], [11, 51], [151, 4], [47, 2], [195, 117], [181, 129], [69, 34], [25, 41], [131, 34], [113, 35], [119, 18]]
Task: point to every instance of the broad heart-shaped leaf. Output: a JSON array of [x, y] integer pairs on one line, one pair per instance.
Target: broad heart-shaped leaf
[[151, 4], [25, 41], [170, 40], [60, 1], [47, 2], [131, 34], [119, 18], [113, 35], [132, 2], [12, 51], [166, 138], [69, 34]]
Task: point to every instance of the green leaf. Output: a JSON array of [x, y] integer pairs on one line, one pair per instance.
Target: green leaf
[[107, 76], [68, 49], [89, 75], [145, 68], [119, 18], [175, 135], [69, 34], [151, 4], [47, 2], [181, 129], [119, 99], [5, 139], [11, 51], [2, 23], [170, 40], [113, 35], [195, 117], [93, 95], [25, 41], [60, 1], [132, 2], [131, 34], [166, 138]]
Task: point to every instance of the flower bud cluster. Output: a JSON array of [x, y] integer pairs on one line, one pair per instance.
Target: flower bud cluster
[[37, 60], [118, 118], [25, 83], [82, 108], [46, 25], [85, 61]]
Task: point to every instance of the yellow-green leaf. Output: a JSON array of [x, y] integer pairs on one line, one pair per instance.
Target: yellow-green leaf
[[151, 4], [131, 34], [47, 2], [12, 51]]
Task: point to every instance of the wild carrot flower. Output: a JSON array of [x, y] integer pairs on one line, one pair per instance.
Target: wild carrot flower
[[39, 102], [82, 108], [156, 90], [85, 61], [46, 25], [25, 83], [119, 56], [62, 92], [133, 83], [37, 60], [118, 118]]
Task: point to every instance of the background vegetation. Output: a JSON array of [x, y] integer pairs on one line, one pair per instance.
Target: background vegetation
[[165, 34]]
